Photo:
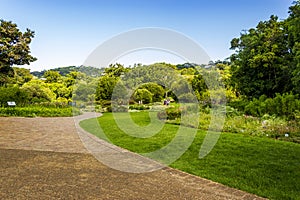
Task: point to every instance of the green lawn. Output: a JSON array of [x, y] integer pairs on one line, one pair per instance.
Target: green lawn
[[266, 167]]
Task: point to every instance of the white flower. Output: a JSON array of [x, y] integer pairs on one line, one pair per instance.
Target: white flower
[[286, 135]]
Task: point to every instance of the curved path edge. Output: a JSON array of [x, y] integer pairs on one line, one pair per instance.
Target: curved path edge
[[126, 161]]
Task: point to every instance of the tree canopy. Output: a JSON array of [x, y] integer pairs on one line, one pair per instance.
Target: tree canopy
[[14, 48], [266, 58]]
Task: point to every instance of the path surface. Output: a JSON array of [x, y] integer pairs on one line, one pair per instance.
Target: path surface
[[44, 158]]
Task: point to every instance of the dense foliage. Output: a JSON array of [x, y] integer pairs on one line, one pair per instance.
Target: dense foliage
[[89, 71], [14, 49], [260, 78], [39, 111], [267, 61]]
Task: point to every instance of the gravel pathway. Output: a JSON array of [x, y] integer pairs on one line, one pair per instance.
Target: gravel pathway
[[45, 158]]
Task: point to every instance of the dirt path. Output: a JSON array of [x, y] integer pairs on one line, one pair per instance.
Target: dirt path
[[44, 158]]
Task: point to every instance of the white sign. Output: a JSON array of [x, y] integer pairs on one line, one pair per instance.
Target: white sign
[[11, 103]]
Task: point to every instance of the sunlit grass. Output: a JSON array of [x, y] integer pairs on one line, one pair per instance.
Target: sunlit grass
[[266, 167]]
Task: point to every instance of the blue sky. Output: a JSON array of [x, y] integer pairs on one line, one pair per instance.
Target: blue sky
[[67, 31]]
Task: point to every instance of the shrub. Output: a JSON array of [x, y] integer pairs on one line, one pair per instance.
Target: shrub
[[33, 111], [239, 104], [139, 107], [13, 94], [162, 115], [52, 104], [232, 112], [285, 105], [169, 114], [173, 113], [117, 108]]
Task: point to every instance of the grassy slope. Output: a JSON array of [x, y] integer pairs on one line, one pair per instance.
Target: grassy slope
[[266, 167]]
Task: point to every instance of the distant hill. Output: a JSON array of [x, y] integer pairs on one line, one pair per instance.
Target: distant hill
[[186, 65], [89, 71]]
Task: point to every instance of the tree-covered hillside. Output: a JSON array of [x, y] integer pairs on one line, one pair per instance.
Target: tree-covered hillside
[[89, 71]]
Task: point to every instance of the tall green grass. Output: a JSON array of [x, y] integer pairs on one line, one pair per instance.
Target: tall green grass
[[263, 166]]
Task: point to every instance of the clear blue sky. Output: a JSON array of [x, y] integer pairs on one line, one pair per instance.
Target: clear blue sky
[[67, 31]]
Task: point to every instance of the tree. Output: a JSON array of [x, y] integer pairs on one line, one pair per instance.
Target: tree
[[59, 89], [199, 86], [52, 76], [262, 60], [14, 48], [21, 76], [38, 91], [293, 28], [105, 87], [115, 70], [188, 71], [143, 95], [74, 77], [84, 92], [157, 91], [181, 86]]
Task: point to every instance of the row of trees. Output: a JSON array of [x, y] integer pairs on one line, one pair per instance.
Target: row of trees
[[151, 83]]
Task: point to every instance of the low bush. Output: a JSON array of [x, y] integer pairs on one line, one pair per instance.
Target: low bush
[[52, 104], [170, 113], [139, 107], [282, 106], [269, 126], [38, 111], [117, 108]]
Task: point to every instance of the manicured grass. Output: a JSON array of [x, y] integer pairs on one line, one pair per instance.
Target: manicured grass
[[266, 167], [38, 111]]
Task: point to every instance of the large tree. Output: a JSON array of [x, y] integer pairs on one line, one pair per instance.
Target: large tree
[[293, 28], [262, 62], [14, 49], [105, 87]]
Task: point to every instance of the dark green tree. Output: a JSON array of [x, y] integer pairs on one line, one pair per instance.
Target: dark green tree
[[14, 49], [157, 91], [105, 87], [293, 28], [115, 70], [262, 60]]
